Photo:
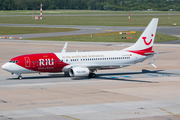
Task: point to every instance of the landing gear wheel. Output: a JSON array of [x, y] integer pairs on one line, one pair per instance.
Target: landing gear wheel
[[66, 74], [92, 75], [19, 77]]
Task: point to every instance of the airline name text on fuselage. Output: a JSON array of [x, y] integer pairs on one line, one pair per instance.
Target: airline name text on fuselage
[[83, 56], [45, 62]]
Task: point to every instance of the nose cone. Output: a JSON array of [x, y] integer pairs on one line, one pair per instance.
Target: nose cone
[[6, 67]]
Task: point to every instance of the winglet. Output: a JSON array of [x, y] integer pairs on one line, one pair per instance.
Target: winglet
[[64, 48], [153, 60]]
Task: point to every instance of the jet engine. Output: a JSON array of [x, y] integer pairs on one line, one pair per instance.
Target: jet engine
[[79, 72]]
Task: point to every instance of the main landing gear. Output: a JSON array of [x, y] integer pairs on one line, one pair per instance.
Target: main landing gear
[[20, 77], [92, 75]]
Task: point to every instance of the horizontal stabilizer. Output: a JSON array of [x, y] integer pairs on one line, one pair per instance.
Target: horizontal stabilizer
[[152, 53]]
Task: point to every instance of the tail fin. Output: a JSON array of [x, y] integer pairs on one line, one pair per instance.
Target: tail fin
[[146, 40]]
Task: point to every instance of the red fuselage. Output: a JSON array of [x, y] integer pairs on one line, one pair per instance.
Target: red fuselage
[[43, 62]]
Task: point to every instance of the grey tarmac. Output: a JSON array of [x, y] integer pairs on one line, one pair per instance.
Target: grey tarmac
[[131, 93]]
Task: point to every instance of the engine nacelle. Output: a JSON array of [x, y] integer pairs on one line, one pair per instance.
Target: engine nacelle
[[79, 72]]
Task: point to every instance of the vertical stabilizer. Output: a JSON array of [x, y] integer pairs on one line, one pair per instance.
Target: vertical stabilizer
[[146, 40]]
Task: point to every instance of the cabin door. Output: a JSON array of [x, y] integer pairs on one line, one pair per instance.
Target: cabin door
[[27, 62]]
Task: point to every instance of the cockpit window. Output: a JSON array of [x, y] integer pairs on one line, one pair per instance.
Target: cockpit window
[[14, 61]]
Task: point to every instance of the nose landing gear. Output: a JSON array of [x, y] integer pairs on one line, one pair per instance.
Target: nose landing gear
[[19, 75]]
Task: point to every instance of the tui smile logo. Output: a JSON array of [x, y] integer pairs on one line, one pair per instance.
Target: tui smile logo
[[147, 43]]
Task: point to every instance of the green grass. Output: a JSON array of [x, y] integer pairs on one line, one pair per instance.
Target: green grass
[[47, 12], [136, 20], [106, 37], [28, 30], [93, 20]]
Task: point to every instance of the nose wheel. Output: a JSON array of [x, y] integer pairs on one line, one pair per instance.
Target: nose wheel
[[19, 77]]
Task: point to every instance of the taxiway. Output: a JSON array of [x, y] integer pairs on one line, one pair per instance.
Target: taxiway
[[173, 30]]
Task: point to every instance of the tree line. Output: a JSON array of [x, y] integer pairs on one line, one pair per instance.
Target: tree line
[[123, 5]]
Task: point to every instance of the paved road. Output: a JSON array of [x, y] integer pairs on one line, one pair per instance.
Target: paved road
[[169, 30]]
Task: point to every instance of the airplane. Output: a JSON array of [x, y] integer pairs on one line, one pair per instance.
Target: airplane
[[81, 64]]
